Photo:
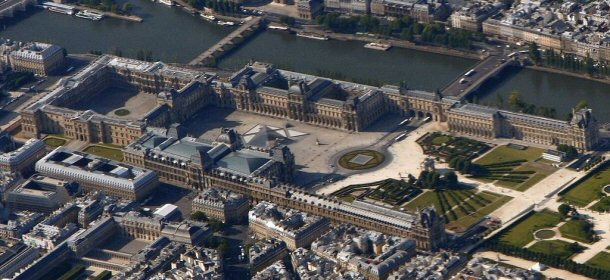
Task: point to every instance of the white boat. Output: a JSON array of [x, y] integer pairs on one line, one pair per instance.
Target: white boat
[[61, 11], [208, 17], [312, 36], [59, 8], [167, 2], [278, 27], [378, 46], [89, 15], [225, 23]]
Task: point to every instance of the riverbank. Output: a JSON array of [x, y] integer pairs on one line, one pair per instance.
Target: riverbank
[[110, 14], [568, 73], [396, 43]]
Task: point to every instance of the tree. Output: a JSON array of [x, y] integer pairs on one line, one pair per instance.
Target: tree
[[127, 7], [451, 179], [534, 53], [581, 105], [575, 248], [499, 101], [571, 151], [216, 225], [515, 100], [288, 20], [564, 209], [199, 216], [589, 65]]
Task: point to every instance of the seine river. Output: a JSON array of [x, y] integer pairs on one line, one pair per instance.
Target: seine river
[[176, 36]]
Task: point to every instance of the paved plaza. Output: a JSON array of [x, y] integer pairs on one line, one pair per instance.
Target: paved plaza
[[315, 149], [111, 99]]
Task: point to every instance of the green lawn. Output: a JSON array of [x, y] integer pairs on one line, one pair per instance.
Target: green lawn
[[601, 260], [439, 140], [465, 221], [504, 154], [54, 142], [424, 200], [590, 189], [553, 247], [513, 168], [602, 205], [467, 207], [523, 233], [107, 152], [572, 229]]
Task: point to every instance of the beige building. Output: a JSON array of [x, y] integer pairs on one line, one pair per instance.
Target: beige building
[[180, 93], [39, 58], [581, 131], [99, 174], [17, 157], [296, 229], [225, 206]]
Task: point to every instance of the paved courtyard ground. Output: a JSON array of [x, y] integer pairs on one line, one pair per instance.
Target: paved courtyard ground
[[314, 152], [111, 99]]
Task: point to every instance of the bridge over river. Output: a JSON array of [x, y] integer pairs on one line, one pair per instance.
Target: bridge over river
[[470, 81], [239, 35]]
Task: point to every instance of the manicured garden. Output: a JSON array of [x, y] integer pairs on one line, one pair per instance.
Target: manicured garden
[[105, 151], [512, 166], [54, 142], [461, 208], [523, 233], [601, 260], [391, 191], [590, 189], [447, 146]]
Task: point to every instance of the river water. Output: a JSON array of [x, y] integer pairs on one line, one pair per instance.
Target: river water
[[176, 36]]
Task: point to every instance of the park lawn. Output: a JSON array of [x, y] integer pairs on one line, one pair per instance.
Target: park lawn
[[441, 139], [348, 198], [557, 248], [590, 189], [602, 205], [424, 200], [106, 152], [464, 222], [533, 179], [505, 154], [601, 260], [523, 233], [572, 229], [54, 142]]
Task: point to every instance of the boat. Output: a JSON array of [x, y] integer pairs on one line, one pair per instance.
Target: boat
[[312, 36], [167, 2], [59, 8], [378, 46], [89, 15], [278, 27], [225, 23], [208, 17]]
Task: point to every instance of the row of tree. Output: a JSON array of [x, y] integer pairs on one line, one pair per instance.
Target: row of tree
[[405, 28], [106, 5], [14, 80], [219, 6], [434, 180], [551, 260], [567, 61]]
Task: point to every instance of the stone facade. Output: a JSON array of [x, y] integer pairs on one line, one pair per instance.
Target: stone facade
[[581, 131], [225, 206], [39, 58]]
